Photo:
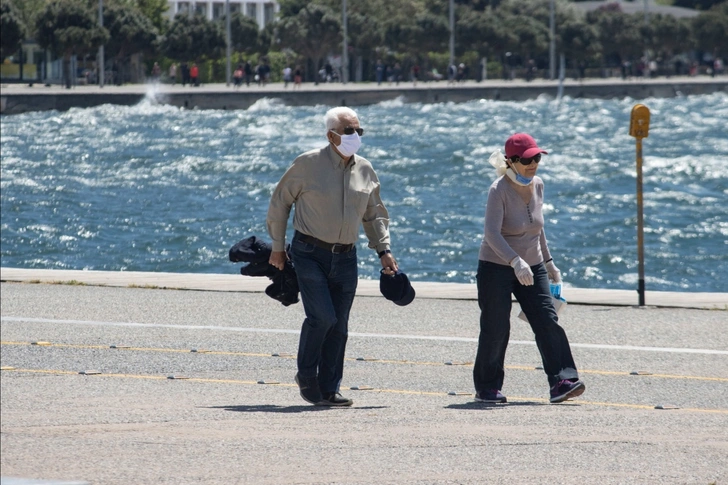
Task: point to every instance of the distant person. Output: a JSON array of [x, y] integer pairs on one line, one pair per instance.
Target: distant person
[[173, 74], [717, 67], [452, 71], [248, 70], [379, 71], [238, 76], [156, 72], [461, 72], [259, 74], [415, 74], [266, 72], [397, 73], [287, 73], [194, 75], [334, 191], [297, 77], [185, 71], [514, 259]]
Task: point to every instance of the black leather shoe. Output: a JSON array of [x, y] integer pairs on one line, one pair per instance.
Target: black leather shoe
[[309, 389], [334, 399]]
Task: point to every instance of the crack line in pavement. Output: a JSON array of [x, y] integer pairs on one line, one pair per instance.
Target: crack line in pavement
[[512, 400], [372, 360]]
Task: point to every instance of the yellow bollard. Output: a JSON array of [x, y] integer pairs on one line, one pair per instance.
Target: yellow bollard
[[639, 126]]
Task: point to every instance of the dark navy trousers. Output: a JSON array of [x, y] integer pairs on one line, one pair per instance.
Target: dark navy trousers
[[327, 283], [496, 283]]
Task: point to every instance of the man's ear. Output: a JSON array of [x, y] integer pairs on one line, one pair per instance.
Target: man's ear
[[331, 136]]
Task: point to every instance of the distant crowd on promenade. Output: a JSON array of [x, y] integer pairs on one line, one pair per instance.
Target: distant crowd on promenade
[[260, 73]]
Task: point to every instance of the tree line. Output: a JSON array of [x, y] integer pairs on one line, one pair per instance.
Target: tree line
[[510, 34]]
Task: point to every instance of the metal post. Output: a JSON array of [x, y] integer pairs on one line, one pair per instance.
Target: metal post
[[100, 60], [647, 13], [639, 126], [452, 33], [552, 40], [345, 48], [228, 40], [640, 228]]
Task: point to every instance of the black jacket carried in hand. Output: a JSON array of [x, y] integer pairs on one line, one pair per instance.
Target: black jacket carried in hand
[[257, 253]]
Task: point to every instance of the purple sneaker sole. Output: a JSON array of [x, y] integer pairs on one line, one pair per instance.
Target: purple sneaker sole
[[567, 390]]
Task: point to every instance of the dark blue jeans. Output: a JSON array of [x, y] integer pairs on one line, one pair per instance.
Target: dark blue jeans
[[496, 282], [327, 283]]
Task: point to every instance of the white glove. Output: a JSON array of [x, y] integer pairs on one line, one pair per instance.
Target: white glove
[[553, 271], [523, 271]]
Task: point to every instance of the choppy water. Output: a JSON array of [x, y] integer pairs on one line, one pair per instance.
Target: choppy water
[[157, 188]]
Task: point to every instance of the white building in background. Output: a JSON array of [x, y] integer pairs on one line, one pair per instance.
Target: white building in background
[[263, 11]]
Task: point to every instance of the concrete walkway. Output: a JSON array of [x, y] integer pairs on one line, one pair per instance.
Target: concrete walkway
[[20, 98], [134, 385], [446, 291]]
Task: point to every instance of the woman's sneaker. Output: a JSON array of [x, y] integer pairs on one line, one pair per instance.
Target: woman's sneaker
[[567, 389], [491, 395]]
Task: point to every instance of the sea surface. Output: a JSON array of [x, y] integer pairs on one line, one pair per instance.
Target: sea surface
[[158, 188]]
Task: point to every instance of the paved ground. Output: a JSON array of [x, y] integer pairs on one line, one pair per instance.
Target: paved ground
[[655, 410]]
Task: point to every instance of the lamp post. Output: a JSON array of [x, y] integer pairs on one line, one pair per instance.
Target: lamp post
[[345, 48], [227, 42], [552, 40], [100, 60], [452, 33]]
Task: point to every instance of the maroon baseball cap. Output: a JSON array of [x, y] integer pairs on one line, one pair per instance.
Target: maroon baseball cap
[[522, 145]]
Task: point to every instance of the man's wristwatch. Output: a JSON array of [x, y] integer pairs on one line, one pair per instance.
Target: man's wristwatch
[[382, 253]]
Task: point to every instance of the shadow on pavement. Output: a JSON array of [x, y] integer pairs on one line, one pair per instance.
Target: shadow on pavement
[[486, 405], [272, 408]]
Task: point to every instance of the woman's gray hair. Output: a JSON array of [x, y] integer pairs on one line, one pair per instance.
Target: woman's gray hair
[[333, 116]]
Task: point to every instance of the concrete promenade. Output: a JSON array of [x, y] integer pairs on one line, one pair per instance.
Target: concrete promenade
[[447, 291], [20, 98], [159, 378]]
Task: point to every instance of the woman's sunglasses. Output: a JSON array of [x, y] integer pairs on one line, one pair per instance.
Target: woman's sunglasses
[[526, 161]]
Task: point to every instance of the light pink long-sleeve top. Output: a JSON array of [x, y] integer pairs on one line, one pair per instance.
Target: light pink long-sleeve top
[[512, 227]]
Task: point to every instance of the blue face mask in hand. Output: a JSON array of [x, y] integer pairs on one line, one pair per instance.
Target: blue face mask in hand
[[517, 177]]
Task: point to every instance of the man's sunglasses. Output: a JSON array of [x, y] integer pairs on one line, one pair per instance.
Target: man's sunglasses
[[350, 131], [526, 161]]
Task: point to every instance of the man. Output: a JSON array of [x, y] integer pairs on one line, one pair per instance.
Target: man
[[334, 191]]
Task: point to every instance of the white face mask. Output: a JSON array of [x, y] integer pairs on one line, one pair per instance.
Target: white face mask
[[349, 144]]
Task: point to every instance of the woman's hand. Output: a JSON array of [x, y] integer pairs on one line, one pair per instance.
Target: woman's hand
[[553, 271], [523, 271]]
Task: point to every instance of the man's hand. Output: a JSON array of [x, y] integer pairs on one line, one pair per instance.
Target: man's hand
[[389, 263], [278, 259]]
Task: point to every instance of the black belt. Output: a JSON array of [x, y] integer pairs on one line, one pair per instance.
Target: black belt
[[334, 248]]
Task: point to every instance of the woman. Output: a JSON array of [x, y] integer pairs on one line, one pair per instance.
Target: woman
[[514, 258]]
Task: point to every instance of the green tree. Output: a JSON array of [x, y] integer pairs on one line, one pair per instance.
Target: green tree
[[27, 11], [12, 29], [578, 41], [483, 32], [69, 27], [193, 37], [313, 32], [620, 35], [710, 29], [154, 10], [667, 36], [243, 33], [131, 32]]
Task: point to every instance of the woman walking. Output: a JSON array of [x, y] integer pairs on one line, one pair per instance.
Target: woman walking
[[514, 258]]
